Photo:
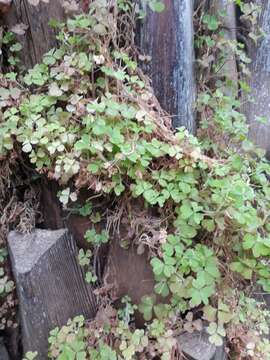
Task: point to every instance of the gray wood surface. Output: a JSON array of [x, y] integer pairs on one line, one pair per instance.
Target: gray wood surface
[[50, 284], [5, 2], [260, 83], [39, 37], [168, 38], [229, 70]]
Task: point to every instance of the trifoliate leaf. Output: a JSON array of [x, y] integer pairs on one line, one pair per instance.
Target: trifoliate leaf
[[54, 90], [33, 2], [100, 29], [216, 340], [157, 265], [27, 147], [157, 6]]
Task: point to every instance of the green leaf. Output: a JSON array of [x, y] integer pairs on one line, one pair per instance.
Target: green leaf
[[146, 307], [186, 211], [93, 168], [209, 225], [86, 209], [188, 231], [249, 241], [150, 196], [4, 93], [196, 298], [162, 289], [84, 62], [64, 196], [168, 270], [67, 353], [211, 268], [27, 147], [54, 90], [157, 266], [30, 355], [224, 317], [16, 47], [211, 21], [119, 188], [161, 311], [185, 187], [200, 282], [212, 328], [157, 6], [90, 278], [216, 340], [260, 250], [209, 313]]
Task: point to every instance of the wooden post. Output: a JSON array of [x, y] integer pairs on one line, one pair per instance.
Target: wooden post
[[168, 38], [229, 70], [39, 37], [260, 83], [50, 285]]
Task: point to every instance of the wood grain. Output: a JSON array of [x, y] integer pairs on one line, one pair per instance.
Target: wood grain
[[260, 83], [50, 284], [168, 38], [39, 37]]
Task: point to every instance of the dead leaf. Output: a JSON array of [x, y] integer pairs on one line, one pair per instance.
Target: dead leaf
[[100, 29], [188, 327], [4, 93], [15, 93], [33, 2], [140, 249], [54, 90], [189, 316], [99, 59], [198, 325], [19, 29], [71, 7]]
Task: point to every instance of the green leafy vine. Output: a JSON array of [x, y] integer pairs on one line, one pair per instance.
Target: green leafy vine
[[86, 118]]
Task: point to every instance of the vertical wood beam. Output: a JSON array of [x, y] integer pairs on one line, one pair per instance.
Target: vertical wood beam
[[168, 38]]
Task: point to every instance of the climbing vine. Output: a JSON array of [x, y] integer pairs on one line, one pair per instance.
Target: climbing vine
[[86, 118]]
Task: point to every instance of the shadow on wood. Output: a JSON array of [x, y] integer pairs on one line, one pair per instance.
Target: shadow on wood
[[50, 284]]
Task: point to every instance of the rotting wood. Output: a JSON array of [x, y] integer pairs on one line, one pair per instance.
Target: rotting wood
[[50, 284], [167, 38]]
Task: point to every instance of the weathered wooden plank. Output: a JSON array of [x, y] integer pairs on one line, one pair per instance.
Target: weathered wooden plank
[[229, 70], [260, 83], [130, 274], [39, 37], [50, 284], [168, 38]]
